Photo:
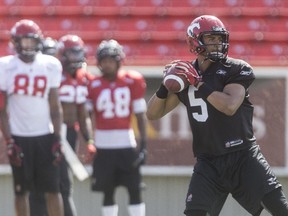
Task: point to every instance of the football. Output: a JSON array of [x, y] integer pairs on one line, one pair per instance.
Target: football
[[174, 82]]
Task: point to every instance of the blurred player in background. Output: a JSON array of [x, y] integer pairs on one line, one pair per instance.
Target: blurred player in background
[[49, 46], [72, 93], [116, 96], [30, 82], [37, 199], [220, 116]]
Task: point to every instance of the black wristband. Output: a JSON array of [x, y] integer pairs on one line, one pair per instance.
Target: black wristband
[[162, 92], [205, 90]]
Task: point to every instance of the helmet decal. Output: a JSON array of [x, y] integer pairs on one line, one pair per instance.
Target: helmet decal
[[190, 29]]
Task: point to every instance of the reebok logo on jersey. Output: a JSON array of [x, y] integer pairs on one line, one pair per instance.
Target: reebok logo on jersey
[[221, 72], [245, 73]]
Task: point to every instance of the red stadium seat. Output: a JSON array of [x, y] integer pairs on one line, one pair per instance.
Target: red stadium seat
[[29, 3], [155, 30], [113, 3], [5, 48]]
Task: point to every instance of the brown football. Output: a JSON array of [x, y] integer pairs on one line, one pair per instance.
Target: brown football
[[174, 82]]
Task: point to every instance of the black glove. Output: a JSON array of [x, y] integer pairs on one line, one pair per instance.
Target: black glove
[[14, 153], [142, 155], [57, 151]]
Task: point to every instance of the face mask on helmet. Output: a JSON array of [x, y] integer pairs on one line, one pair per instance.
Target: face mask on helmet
[[26, 37], [49, 46], [110, 48], [208, 26], [71, 53], [73, 59]]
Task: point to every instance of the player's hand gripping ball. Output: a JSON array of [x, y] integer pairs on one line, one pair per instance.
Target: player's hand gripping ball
[[174, 81], [180, 74]]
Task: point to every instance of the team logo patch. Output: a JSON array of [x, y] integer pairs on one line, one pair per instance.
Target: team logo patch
[[190, 30]]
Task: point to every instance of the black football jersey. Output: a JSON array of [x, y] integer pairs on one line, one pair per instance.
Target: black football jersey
[[215, 133]]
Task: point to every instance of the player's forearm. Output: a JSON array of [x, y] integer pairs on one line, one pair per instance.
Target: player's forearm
[[57, 120], [84, 122], [56, 112], [157, 107], [141, 123], [4, 119], [5, 127], [86, 129]]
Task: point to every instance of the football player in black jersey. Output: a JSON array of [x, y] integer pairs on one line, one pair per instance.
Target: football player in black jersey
[[220, 114]]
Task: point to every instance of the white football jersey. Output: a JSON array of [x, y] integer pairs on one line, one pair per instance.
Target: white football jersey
[[27, 86]]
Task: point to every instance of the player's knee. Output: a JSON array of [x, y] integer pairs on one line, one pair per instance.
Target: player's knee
[[275, 202]]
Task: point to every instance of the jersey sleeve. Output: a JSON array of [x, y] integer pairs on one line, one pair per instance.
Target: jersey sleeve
[[244, 75], [138, 91], [55, 67], [3, 82], [91, 85], [139, 85]]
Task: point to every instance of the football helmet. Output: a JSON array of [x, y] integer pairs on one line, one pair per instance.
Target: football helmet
[[26, 29], [110, 48], [207, 25], [71, 53], [49, 46]]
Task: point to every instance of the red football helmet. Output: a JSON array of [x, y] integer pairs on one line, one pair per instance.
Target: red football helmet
[[110, 48], [207, 25], [26, 29], [71, 53]]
